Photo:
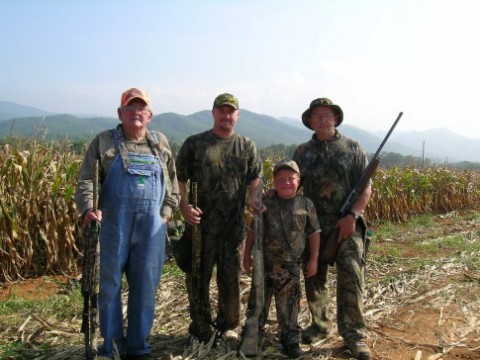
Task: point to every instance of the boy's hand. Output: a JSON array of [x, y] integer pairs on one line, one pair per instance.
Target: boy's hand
[[311, 268], [247, 264]]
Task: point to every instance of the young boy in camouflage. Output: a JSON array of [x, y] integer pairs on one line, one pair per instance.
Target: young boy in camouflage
[[287, 222]]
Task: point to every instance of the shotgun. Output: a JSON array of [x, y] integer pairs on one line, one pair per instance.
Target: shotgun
[[90, 278], [329, 253], [249, 344], [196, 253]]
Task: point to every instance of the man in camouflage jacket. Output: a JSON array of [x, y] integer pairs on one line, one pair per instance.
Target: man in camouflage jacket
[[331, 164], [224, 165]]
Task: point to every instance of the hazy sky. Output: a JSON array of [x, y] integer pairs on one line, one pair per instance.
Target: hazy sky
[[374, 58]]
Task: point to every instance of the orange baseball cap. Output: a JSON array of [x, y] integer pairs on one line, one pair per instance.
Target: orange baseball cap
[[134, 93]]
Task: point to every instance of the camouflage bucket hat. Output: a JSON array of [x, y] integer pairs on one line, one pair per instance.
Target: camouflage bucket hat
[[226, 99], [286, 164], [134, 93], [322, 102]]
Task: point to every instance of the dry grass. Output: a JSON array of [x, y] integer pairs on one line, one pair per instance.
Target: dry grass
[[408, 292], [419, 305]]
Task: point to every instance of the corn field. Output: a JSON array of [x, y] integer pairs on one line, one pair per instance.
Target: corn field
[[401, 193], [38, 219], [40, 226]]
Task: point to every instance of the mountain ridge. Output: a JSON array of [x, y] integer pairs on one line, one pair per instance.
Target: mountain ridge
[[439, 144]]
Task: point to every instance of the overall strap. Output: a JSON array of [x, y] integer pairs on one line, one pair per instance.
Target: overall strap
[[119, 141], [152, 139]]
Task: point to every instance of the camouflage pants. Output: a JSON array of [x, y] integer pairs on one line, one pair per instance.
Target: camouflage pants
[[227, 260], [282, 282], [350, 288]]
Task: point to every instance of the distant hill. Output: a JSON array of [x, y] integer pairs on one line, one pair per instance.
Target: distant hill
[[10, 110], [369, 141], [56, 127], [264, 130], [440, 144]]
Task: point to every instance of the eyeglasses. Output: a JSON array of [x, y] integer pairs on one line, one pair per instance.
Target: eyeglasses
[[327, 116], [133, 109]]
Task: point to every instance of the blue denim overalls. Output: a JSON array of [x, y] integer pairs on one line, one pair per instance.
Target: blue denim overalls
[[132, 240]]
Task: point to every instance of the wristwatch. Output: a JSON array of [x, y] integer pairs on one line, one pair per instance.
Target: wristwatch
[[354, 214]]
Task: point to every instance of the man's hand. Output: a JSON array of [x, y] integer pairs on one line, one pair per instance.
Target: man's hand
[[270, 193], [255, 189], [91, 216], [257, 205], [190, 214], [346, 227]]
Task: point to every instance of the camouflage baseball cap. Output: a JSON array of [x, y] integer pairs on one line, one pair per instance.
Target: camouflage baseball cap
[[286, 164], [322, 102], [226, 99], [134, 93]]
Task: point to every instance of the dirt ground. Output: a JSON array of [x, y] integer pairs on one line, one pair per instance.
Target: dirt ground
[[428, 312]]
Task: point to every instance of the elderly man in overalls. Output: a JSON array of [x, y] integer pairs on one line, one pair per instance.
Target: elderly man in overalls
[[138, 193]]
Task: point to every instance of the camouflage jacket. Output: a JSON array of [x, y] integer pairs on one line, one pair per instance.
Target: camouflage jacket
[[329, 170], [222, 168], [287, 224]]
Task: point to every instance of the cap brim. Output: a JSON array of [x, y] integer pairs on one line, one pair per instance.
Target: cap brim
[[288, 167], [136, 97], [227, 104]]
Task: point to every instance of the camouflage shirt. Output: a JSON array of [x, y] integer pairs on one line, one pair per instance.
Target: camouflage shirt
[[287, 224], [222, 168], [329, 170]]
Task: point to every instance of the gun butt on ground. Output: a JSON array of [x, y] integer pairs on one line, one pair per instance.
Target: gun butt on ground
[[250, 343]]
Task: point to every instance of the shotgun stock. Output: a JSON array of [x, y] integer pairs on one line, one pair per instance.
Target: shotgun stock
[[329, 253], [90, 278]]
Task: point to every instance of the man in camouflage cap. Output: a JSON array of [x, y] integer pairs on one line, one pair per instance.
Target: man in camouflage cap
[[224, 165], [331, 164]]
